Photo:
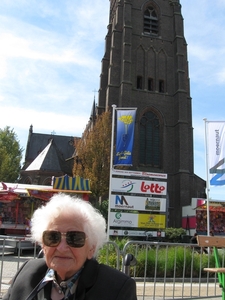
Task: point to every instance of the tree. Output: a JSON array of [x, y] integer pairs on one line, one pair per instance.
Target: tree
[[93, 155], [10, 155]]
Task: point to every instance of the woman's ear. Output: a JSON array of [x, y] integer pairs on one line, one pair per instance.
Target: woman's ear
[[91, 252]]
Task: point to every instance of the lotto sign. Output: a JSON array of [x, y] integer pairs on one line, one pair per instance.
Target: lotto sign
[[137, 186]]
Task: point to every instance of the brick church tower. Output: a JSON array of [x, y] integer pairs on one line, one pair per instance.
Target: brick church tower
[[145, 66]]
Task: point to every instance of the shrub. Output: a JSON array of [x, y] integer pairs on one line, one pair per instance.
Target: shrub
[[152, 261], [174, 235]]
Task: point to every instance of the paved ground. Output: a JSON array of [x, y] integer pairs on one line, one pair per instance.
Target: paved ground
[[177, 291], [151, 291]]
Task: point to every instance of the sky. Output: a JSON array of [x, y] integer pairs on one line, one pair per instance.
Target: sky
[[50, 64]]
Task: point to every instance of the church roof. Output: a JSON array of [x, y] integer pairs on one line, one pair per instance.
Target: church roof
[[48, 152], [51, 159], [47, 160]]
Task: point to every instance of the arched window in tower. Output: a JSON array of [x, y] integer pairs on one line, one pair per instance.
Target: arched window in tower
[[150, 140], [150, 21]]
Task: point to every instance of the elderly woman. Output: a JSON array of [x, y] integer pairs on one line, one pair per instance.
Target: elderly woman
[[71, 232]]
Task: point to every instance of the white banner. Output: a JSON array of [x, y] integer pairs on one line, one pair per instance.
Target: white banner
[[146, 234], [138, 203], [216, 153], [138, 174]]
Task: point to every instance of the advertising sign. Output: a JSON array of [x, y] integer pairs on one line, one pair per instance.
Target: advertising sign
[[137, 203], [120, 219], [151, 221], [144, 234], [121, 185], [139, 174]]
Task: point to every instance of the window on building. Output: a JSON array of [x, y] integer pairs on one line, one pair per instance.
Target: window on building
[[28, 180], [161, 86], [150, 140], [150, 84], [139, 82], [150, 21]]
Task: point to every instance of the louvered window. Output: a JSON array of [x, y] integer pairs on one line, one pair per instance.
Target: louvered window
[[150, 21], [150, 140]]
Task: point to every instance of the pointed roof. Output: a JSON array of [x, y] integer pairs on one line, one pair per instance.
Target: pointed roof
[[48, 159], [38, 141], [93, 111]]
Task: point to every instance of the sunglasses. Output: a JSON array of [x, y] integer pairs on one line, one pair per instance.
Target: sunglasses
[[75, 239]]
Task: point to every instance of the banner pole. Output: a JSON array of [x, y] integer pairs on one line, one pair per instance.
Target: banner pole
[[111, 166], [207, 178]]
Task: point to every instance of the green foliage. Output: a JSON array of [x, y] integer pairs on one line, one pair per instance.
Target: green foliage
[[154, 261], [108, 255], [146, 261], [103, 208], [173, 235], [93, 150], [10, 155]]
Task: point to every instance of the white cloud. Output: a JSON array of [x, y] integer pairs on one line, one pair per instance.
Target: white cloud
[[42, 121], [221, 76], [51, 55]]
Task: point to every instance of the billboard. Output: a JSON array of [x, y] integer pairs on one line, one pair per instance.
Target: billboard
[[153, 221], [147, 233], [138, 174], [137, 186], [127, 202]]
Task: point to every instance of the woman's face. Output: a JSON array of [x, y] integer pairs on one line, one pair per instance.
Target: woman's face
[[66, 260]]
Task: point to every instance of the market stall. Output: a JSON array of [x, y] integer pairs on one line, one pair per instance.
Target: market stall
[[18, 201], [217, 218]]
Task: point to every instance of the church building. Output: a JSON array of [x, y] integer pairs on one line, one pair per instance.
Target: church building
[[145, 66]]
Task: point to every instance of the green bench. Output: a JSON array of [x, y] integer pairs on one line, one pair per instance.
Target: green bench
[[215, 242]]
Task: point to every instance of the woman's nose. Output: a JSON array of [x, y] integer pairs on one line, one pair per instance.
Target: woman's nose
[[63, 242]]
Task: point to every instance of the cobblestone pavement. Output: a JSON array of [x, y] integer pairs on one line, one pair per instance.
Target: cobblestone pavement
[[9, 264], [177, 291]]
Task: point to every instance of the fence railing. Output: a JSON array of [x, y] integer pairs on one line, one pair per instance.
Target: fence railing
[[161, 270], [170, 270]]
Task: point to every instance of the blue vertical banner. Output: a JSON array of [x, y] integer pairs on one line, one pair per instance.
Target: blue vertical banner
[[125, 136]]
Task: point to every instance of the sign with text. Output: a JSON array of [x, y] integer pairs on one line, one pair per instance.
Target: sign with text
[[137, 203], [120, 219], [216, 153], [121, 185], [139, 174], [147, 234]]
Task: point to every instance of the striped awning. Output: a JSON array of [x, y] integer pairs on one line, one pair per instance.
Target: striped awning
[[71, 183]]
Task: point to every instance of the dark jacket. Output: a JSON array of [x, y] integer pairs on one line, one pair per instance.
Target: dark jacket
[[96, 282]]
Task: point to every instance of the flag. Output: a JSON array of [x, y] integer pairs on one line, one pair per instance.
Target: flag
[[216, 153], [125, 136]]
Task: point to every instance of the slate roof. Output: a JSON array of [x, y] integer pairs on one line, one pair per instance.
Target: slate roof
[[47, 160], [49, 152]]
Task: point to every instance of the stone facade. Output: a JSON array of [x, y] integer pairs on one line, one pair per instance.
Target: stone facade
[[145, 66]]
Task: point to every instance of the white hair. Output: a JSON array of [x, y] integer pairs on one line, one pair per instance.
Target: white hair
[[92, 221]]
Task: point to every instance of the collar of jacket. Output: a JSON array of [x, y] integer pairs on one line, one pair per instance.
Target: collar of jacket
[[87, 278]]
